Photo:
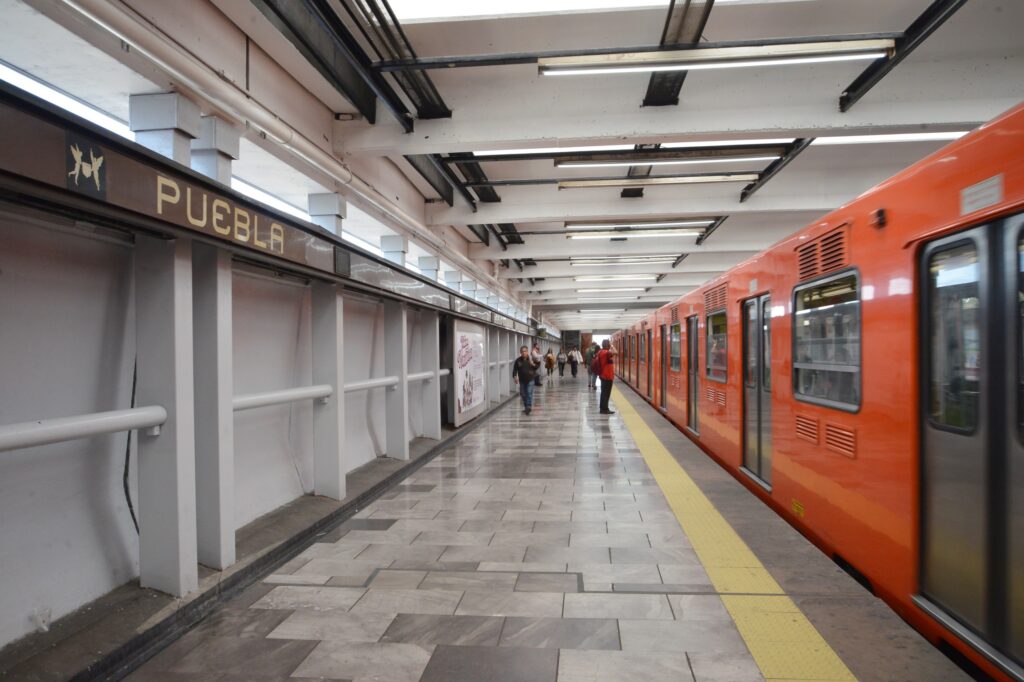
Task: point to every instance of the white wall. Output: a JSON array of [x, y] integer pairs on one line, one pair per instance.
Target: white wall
[[272, 350], [364, 359], [67, 347]]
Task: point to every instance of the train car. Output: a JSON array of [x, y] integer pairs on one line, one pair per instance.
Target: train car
[[865, 378]]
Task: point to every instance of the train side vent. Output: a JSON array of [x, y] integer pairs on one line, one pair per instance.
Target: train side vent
[[807, 261], [833, 254], [807, 429], [841, 439], [675, 314], [709, 393], [720, 398], [715, 299]]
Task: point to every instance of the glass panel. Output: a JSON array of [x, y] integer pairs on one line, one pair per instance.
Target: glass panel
[[766, 345], [675, 349], [750, 343], [827, 342], [955, 357], [1020, 331], [717, 356], [643, 349]]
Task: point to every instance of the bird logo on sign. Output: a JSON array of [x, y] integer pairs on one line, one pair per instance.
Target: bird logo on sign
[[88, 169]]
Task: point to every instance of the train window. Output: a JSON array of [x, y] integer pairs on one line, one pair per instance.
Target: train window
[[643, 348], [750, 337], [826, 342], [676, 348], [1020, 332], [955, 357], [716, 355], [766, 345]]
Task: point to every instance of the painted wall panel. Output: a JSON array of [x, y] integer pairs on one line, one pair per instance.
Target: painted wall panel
[[364, 359], [67, 344]]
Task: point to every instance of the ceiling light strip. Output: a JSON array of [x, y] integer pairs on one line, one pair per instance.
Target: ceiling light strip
[[626, 163], [658, 180]]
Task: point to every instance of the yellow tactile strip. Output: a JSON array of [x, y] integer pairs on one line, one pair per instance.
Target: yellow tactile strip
[[782, 641]]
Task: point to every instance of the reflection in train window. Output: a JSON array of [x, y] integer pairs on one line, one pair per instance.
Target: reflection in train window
[[675, 348], [643, 349], [955, 356], [826, 342], [716, 356], [1020, 332]]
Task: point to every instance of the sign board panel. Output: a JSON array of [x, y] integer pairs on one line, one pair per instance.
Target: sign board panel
[[469, 371]]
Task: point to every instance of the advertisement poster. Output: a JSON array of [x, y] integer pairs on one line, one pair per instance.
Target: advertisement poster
[[469, 370]]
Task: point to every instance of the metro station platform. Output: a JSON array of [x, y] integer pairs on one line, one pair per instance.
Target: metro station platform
[[558, 546]]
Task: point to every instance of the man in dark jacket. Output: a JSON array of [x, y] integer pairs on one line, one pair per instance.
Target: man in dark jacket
[[524, 369], [588, 360]]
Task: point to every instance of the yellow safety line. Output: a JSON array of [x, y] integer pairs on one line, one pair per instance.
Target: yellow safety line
[[782, 641]]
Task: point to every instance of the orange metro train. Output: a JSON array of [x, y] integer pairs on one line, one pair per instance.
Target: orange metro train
[[865, 378]]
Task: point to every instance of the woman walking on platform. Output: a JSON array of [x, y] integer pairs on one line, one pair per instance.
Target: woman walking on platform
[[562, 359], [549, 363], [574, 360]]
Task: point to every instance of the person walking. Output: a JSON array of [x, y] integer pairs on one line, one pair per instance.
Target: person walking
[[588, 359], [538, 360], [562, 359], [574, 360], [606, 368], [549, 363], [523, 371]]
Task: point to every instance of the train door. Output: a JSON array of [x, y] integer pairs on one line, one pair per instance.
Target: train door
[[692, 373], [664, 368], [650, 364], [972, 417], [757, 405]]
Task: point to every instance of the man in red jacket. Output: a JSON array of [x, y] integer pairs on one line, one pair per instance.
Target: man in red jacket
[[606, 370]]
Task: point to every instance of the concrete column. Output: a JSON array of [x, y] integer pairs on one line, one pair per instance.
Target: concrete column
[[167, 463], [494, 376], [396, 364], [329, 453], [507, 357], [395, 246], [453, 278], [215, 149], [431, 355], [429, 266], [328, 211], [166, 123], [214, 412]]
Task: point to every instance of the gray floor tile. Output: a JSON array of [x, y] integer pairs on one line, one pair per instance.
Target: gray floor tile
[[561, 633], [622, 539], [690, 635], [324, 625], [464, 553], [638, 606], [448, 537], [466, 580], [441, 602], [366, 662], [311, 598], [392, 579], [699, 607], [615, 666], [548, 582], [572, 555], [453, 630], [724, 667], [478, 664], [526, 604]]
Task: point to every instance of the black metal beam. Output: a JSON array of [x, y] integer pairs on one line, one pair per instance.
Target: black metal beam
[[510, 58], [554, 181], [684, 25], [475, 177], [652, 152], [332, 55], [435, 177], [679, 260], [497, 235], [481, 233], [707, 233], [775, 166], [926, 24]]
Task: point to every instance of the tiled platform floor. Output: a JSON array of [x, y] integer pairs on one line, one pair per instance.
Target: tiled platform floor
[[538, 548]]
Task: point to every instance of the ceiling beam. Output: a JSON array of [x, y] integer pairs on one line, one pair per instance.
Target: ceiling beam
[[684, 25], [791, 152]]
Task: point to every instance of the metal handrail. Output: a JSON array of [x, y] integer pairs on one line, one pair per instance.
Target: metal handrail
[[287, 395], [420, 376], [445, 372], [46, 431], [371, 383]]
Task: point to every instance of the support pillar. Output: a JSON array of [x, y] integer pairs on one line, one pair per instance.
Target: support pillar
[[329, 457], [167, 464], [396, 363], [328, 210], [165, 123], [429, 266], [431, 359], [215, 149], [505, 369], [214, 411], [494, 375], [395, 246]]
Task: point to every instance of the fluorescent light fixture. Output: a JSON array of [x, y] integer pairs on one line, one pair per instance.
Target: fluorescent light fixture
[[635, 234], [601, 310], [726, 143], [661, 162], [556, 150], [614, 278], [612, 226], [606, 299], [659, 180], [590, 262], [602, 290], [888, 137], [718, 57]]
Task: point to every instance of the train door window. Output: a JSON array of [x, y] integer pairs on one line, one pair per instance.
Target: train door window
[[717, 355], [766, 345], [692, 373], [955, 352], [750, 347], [675, 348], [643, 349], [826, 342]]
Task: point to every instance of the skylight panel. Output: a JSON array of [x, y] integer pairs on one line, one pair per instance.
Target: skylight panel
[[417, 10]]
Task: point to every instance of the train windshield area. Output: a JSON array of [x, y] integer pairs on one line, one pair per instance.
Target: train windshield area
[[827, 342], [955, 340]]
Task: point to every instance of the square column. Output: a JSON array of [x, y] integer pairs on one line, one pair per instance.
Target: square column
[[166, 123], [214, 409], [329, 462], [505, 368], [494, 373], [167, 461], [328, 211], [215, 149], [429, 266], [395, 246], [431, 359], [396, 364]]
